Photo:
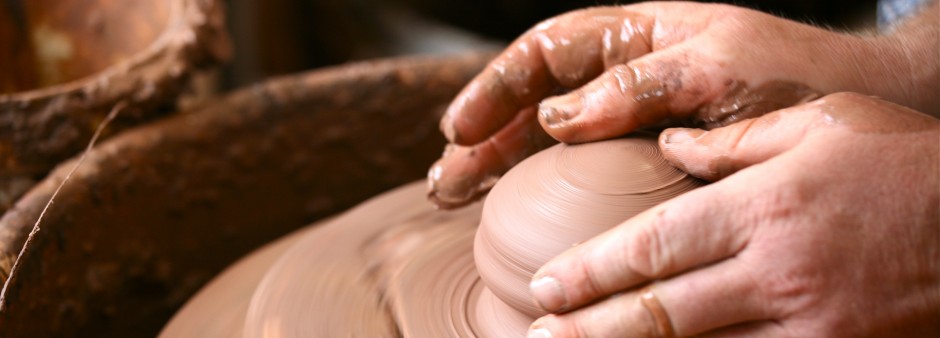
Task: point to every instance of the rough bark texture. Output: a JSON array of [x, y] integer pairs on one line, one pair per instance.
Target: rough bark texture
[[157, 211], [72, 61]]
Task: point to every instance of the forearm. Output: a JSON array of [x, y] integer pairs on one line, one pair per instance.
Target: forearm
[[911, 57]]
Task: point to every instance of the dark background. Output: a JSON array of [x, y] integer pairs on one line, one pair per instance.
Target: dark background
[[275, 37]]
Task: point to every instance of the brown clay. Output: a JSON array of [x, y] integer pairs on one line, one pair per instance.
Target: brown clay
[[560, 197], [741, 102], [218, 309]]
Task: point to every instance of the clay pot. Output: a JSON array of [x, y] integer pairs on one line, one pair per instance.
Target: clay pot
[[65, 64], [560, 197], [155, 212]]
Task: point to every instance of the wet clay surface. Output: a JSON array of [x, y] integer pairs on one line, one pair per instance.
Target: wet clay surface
[[395, 266], [560, 197], [218, 310], [741, 102]]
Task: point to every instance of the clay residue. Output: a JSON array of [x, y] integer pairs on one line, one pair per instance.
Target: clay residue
[[742, 102], [462, 176]]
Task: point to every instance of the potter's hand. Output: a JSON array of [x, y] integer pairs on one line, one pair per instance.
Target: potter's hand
[[824, 223], [644, 64]]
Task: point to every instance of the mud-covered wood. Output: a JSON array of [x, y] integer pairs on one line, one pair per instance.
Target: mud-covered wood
[[157, 211], [65, 64]]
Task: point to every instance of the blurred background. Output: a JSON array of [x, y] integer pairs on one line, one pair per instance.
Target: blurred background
[[284, 36]]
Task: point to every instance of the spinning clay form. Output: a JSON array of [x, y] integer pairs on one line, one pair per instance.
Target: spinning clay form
[[395, 266], [563, 196]]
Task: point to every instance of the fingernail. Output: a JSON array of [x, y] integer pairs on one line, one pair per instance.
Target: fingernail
[[539, 333], [447, 127], [682, 135], [559, 110], [548, 294]]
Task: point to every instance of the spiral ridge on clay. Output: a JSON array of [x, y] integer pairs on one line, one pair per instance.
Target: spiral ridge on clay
[[560, 197]]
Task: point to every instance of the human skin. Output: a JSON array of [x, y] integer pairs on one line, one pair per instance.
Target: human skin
[[823, 222], [824, 217], [655, 64]]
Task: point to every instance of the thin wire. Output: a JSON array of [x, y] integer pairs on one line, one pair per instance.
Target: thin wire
[[91, 143]]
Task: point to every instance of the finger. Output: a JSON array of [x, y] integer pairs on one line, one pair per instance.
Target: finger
[[764, 328], [689, 304], [675, 236], [720, 295], [715, 154], [604, 315], [464, 174], [561, 53], [679, 83]]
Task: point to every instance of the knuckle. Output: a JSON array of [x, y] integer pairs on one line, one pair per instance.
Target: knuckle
[[590, 282], [646, 253], [623, 78], [847, 98], [839, 104], [738, 19], [785, 198], [790, 285], [578, 329], [787, 290], [567, 326]]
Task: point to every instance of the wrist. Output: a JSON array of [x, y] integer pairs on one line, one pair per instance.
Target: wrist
[[912, 67]]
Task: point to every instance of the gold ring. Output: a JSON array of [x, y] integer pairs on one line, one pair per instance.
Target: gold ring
[[656, 310]]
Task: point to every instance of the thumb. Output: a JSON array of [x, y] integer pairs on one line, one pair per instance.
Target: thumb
[[715, 154]]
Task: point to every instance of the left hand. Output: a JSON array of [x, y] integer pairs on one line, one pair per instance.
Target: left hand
[[824, 222]]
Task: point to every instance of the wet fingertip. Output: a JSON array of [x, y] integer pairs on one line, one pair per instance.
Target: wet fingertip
[[672, 143], [558, 111], [675, 136]]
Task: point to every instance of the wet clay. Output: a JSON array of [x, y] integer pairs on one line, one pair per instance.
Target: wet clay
[[395, 266], [742, 102], [218, 310], [333, 282], [560, 197]]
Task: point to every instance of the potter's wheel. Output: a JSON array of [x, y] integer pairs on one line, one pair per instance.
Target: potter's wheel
[[395, 266], [378, 254]]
